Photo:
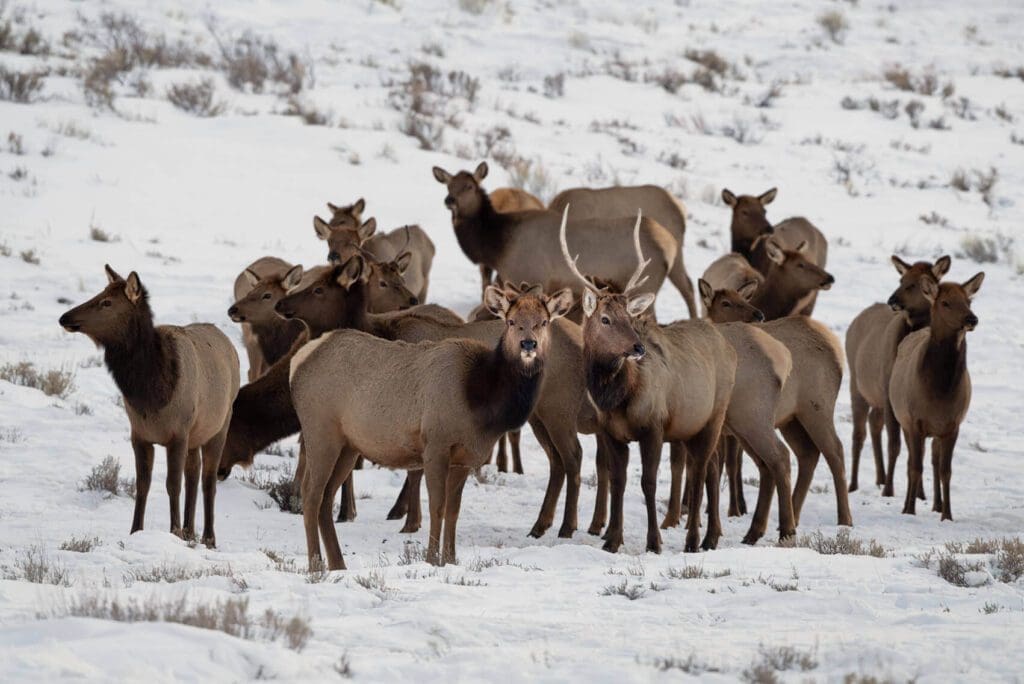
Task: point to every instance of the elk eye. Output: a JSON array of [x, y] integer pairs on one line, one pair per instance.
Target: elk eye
[[727, 305], [799, 265], [606, 320], [945, 304], [543, 324], [511, 323], [318, 291], [910, 288], [105, 303], [266, 295], [383, 284]]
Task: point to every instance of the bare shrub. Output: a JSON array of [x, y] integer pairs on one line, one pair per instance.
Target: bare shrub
[[168, 573], [554, 86], [80, 544], [28, 42], [693, 572], [1009, 560], [249, 61], [474, 6], [53, 383], [778, 659], [198, 99], [104, 477], [99, 235], [926, 83], [310, 115], [977, 180], [835, 25], [691, 665], [230, 616], [29, 256], [20, 86], [710, 60], [531, 176], [982, 250], [285, 492], [34, 565], [15, 144], [954, 570], [343, 667], [768, 97], [842, 543], [624, 588]]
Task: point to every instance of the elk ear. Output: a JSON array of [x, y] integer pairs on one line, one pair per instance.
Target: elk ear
[[359, 206], [481, 171], [323, 231], [560, 303], [972, 286], [589, 302], [771, 248], [367, 229], [441, 175], [333, 208], [901, 265], [292, 277], [112, 276], [496, 301], [929, 289], [941, 267], [402, 262], [706, 293], [133, 288], [637, 304], [251, 277], [728, 197], [748, 289], [352, 270], [767, 197], [802, 247]]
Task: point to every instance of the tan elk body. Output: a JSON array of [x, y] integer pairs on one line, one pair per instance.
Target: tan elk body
[[178, 385]]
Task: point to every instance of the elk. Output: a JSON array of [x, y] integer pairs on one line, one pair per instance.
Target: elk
[[790, 279], [731, 272], [806, 409], [655, 203], [437, 406], [750, 223], [178, 383], [871, 343], [345, 233], [257, 290], [651, 383], [930, 390], [522, 247], [507, 201]]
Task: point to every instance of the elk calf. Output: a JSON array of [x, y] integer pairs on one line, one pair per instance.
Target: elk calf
[[178, 383], [930, 389], [438, 406], [257, 290], [871, 343]]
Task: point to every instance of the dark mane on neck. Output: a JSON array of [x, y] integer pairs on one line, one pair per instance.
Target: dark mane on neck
[[945, 361], [502, 392], [143, 361], [610, 381], [482, 237], [263, 412], [276, 338]]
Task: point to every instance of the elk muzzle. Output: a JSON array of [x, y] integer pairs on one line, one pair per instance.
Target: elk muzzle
[[758, 316], [69, 324], [637, 352], [827, 283], [894, 303], [235, 316], [971, 322], [333, 257]]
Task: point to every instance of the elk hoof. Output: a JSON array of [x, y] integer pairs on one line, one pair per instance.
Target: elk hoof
[[595, 529], [670, 521], [710, 543], [397, 513], [188, 534], [566, 531], [691, 545], [654, 545], [909, 510], [751, 538], [887, 491], [612, 545], [177, 532], [209, 541], [409, 528], [947, 516], [853, 486]]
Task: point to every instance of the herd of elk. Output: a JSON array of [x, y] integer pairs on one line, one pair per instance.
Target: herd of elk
[[566, 340]]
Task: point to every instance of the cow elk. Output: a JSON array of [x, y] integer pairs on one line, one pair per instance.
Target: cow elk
[[655, 203], [930, 388], [508, 201], [438, 407], [178, 384], [871, 343], [257, 290], [652, 383], [523, 247]]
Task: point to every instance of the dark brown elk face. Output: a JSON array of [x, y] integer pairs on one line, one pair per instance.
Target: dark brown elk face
[[258, 305], [343, 241], [527, 319], [613, 323], [748, 218], [465, 195], [909, 296], [794, 269], [385, 285], [332, 300], [106, 317], [729, 306], [951, 304], [348, 216]]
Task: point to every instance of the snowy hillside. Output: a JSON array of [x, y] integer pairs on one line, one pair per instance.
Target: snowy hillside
[[896, 127]]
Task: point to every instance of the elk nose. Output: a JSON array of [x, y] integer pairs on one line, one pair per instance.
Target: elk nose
[[893, 303], [639, 349], [449, 201], [67, 324], [413, 301], [528, 345], [333, 257], [971, 321], [758, 315]]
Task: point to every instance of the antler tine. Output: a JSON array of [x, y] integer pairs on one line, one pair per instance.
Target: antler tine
[[635, 280], [570, 261]]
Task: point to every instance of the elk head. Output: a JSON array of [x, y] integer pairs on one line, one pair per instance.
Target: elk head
[[527, 317], [385, 283], [909, 296], [258, 305], [951, 305], [748, 218], [343, 240], [728, 306], [333, 299], [112, 314], [348, 216], [465, 196], [795, 270]]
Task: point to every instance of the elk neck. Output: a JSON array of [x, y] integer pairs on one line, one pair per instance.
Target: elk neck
[[501, 390], [482, 236], [143, 362], [945, 360]]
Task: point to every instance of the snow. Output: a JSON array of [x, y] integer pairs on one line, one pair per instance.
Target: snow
[[193, 200]]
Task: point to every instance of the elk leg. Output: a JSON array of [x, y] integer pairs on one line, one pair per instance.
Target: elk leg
[[501, 457], [401, 506], [454, 483], [347, 509], [319, 457], [876, 421], [892, 431], [601, 465], [737, 460], [513, 446], [567, 446], [737, 504], [343, 465], [211, 462], [700, 449], [823, 435], [435, 470], [860, 411], [681, 279], [485, 277], [936, 475], [191, 492], [414, 518], [947, 445], [556, 476], [650, 459], [915, 451], [176, 451], [677, 460], [618, 458], [713, 482], [143, 478]]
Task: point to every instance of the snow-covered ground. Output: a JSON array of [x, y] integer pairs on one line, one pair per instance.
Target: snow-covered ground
[[192, 200]]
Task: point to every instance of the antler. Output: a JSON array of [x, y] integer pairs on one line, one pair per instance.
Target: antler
[[570, 261], [635, 280]]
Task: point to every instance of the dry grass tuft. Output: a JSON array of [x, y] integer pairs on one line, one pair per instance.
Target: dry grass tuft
[[104, 477], [58, 382], [198, 99], [841, 544], [34, 565], [20, 86]]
